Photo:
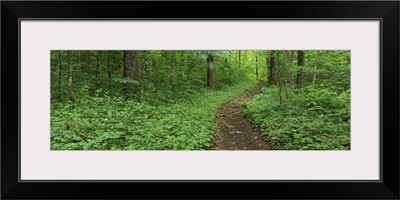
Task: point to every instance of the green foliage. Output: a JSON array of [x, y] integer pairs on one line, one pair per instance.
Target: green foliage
[[317, 118], [112, 123], [126, 80], [172, 107]]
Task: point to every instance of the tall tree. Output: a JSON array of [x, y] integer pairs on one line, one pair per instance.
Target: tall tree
[[291, 71], [189, 65], [210, 71], [109, 55], [315, 68], [240, 59], [146, 68], [70, 91], [300, 63], [59, 75], [278, 78], [172, 71], [97, 68], [131, 72], [88, 59], [287, 65], [256, 65], [272, 68]]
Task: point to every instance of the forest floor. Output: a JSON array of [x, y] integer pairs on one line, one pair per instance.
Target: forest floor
[[234, 132]]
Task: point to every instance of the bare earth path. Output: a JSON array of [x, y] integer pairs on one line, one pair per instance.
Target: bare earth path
[[234, 132]]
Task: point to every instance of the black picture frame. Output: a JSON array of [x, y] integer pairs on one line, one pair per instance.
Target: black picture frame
[[386, 11]]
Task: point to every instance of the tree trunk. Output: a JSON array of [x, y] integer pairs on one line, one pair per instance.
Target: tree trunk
[[109, 71], [267, 65], [272, 68], [142, 69], [172, 75], [278, 77], [188, 66], [97, 69], [287, 74], [300, 63], [70, 91], [59, 75], [291, 71], [315, 68], [149, 71], [210, 71], [257, 66], [240, 59], [88, 60], [131, 66]]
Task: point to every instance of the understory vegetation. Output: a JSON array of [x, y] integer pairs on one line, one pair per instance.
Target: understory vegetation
[[105, 122], [168, 100], [315, 116], [315, 119]]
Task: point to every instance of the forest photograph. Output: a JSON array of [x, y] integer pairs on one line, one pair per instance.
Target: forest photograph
[[200, 99]]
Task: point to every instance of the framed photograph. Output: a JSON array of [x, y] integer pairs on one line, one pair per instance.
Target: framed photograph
[[263, 99]]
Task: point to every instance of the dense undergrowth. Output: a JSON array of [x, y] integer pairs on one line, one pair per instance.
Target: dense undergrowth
[[315, 118], [168, 99], [109, 122]]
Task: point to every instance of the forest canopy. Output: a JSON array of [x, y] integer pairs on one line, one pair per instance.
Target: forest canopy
[[169, 99]]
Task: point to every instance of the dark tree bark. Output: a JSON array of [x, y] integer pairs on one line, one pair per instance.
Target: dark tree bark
[[257, 65], [210, 71], [272, 68], [240, 59], [268, 57], [109, 70], [315, 68], [278, 70], [131, 71], [88, 60], [70, 91], [291, 71], [300, 63], [59, 75], [287, 67], [97, 69]]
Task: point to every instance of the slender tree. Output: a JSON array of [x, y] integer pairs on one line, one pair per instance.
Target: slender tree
[[172, 71], [109, 55], [300, 63], [291, 71], [240, 59], [70, 70], [210, 71], [59, 75], [257, 65], [315, 68], [88, 56], [287, 65], [278, 77], [267, 58], [142, 69], [189, 66], [149, 64], [97, 68]]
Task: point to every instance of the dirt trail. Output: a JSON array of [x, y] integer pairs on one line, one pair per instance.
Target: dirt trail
[[234, 132]]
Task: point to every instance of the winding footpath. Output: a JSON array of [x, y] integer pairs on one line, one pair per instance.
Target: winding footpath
[[234, 132]]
